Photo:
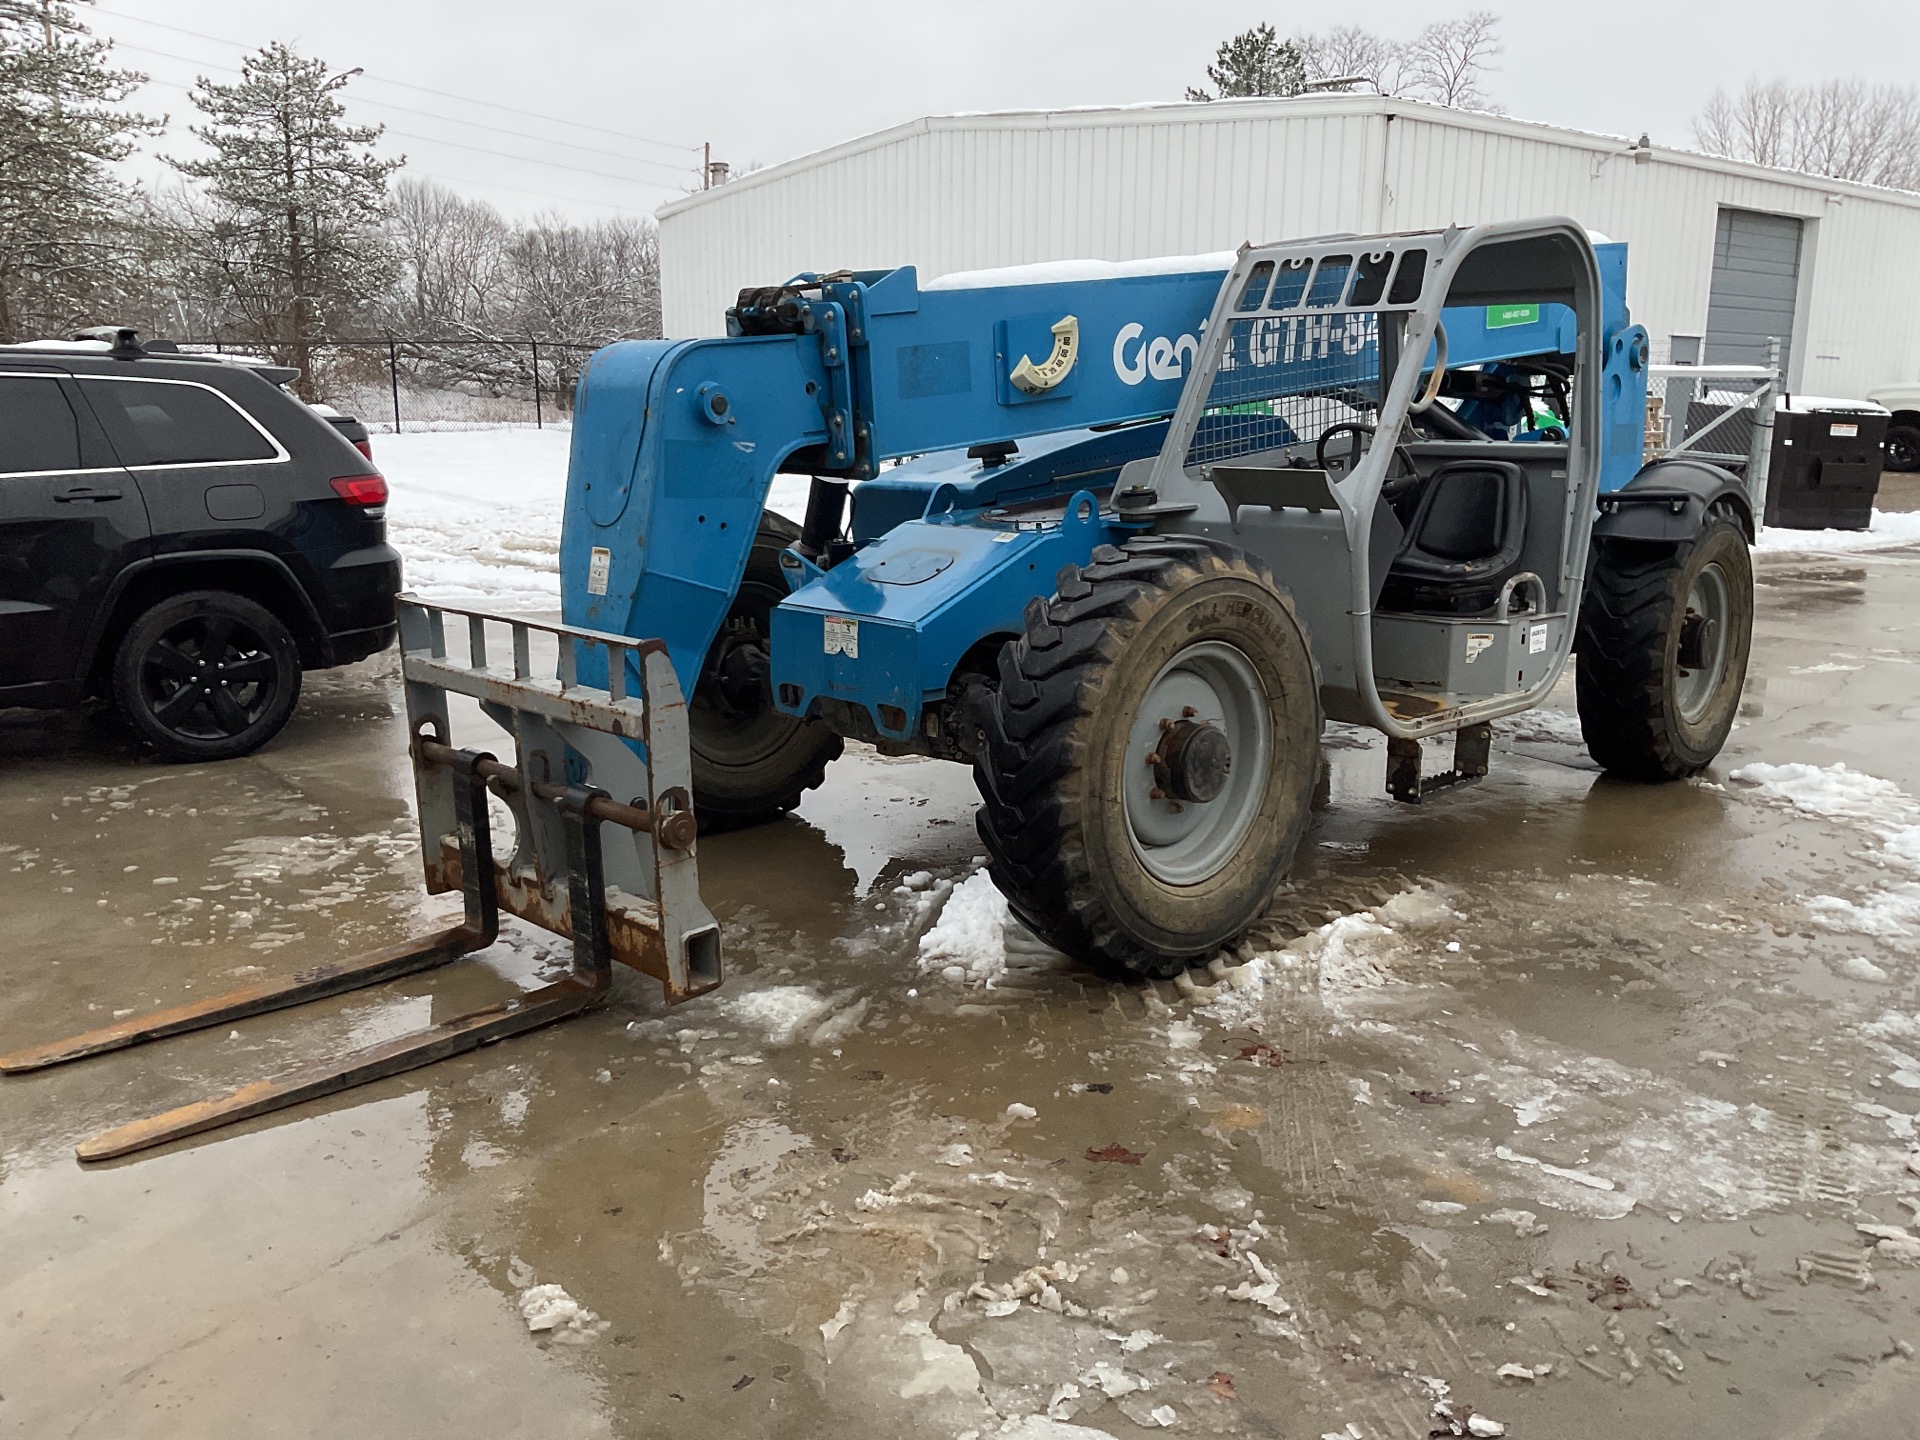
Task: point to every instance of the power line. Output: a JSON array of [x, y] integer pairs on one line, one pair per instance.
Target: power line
[[521, 190], [522, 135], [477, 149], [404, 85], [433, 115], [530, 160], [536, 115], [413, 169]]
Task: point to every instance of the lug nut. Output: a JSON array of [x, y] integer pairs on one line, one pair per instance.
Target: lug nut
[[1156, 793], [1187, 712], [1153, 757]]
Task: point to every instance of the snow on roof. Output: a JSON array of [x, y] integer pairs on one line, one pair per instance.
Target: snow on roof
[[1055, 272], [1794, 403], [91, 347]]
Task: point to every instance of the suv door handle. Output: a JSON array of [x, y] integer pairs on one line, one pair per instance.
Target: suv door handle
[[82, 494]]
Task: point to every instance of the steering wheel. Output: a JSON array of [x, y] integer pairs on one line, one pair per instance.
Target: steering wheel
[[1402, 457]]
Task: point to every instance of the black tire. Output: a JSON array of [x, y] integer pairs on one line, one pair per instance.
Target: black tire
[[1062, 834], [207, 675], [1903, 448], [750, 762], [1645, 714]]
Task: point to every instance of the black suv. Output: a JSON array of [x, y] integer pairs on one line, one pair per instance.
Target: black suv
[[180, 533]]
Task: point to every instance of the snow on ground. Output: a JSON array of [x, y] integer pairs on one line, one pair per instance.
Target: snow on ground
[[1343, 960], [476, 514], [1878, 806], [1888, 529], [968, 943]]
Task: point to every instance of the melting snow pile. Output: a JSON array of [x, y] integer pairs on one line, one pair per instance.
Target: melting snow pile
[[1545, 726], [1887, 529], [786, 1013], [1344, 959], [968, 943], [1878, 806], [550, 1309]]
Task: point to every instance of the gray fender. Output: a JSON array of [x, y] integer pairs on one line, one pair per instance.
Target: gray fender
[[1668, 502]]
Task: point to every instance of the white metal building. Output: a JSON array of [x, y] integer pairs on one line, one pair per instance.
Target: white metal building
[[1724, 252]]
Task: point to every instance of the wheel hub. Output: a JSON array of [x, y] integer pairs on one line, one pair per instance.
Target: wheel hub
[[1699, 638], [1198, 756], [1700, 654], [1193, 762], [741, 678]]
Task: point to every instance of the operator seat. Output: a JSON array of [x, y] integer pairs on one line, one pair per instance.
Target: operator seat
[[1466, 531]]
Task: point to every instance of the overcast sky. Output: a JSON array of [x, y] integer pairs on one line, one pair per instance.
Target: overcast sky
[[628, 92]]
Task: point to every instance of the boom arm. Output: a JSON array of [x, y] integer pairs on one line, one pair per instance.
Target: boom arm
[[676, 443]]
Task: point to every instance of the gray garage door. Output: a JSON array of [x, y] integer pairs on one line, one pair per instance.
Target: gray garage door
[[1756, 277]]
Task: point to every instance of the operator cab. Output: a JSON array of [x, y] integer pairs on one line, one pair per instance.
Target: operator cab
[[1420, 515]]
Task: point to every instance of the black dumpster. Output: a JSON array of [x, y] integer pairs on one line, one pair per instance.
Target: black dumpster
[[1825, 468]]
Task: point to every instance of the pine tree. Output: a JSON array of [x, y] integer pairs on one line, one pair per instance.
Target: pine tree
[[1255, 62], [293, 237], [62, 123]]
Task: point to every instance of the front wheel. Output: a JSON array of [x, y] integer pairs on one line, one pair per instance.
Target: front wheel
[[1664, 637], [208, 675], [1151, 755], [751, 763]]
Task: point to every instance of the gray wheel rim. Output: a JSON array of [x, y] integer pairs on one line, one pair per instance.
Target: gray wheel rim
[[1708, 604], [1187, 843]]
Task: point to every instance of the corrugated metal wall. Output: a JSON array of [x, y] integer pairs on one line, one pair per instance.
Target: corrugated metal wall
[[967, 192]]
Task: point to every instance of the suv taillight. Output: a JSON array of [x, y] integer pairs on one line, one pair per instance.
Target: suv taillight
[[365, 447], [365, 491]]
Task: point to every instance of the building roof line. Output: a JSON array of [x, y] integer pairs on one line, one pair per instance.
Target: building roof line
[[1289, 108]]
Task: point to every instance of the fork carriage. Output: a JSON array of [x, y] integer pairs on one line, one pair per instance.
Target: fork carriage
[[603, 856]]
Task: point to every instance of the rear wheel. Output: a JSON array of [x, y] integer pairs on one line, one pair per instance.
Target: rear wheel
[[1151, 755], [1664, 637], [208, 675], [750, 762]]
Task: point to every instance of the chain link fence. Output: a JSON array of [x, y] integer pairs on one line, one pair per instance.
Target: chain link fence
[[395, 385]]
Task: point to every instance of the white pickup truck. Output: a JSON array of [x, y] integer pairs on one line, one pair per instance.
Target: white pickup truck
[[1903, 434]]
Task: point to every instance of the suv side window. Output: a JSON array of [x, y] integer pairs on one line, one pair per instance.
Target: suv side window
[[176, 422], [37, 428]]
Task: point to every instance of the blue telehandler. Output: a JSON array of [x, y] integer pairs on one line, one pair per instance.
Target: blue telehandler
[[1120, 537]]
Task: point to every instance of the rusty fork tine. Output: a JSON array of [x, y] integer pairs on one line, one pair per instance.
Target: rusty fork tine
[[376, 1062], [268, 995], [589, 982]]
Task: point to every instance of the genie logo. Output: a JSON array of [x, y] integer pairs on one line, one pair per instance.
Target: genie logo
[[1159, 357], [1255, 341]]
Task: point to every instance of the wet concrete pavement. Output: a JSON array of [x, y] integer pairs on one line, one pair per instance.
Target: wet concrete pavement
[[1555, 1074]]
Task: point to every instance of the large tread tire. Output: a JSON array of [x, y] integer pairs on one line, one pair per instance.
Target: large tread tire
[[248, 674], [752, 764], [1631, 622], [1052, 771]]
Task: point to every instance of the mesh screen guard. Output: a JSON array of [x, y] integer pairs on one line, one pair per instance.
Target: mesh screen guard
[[1284, 379], [1298, 347]]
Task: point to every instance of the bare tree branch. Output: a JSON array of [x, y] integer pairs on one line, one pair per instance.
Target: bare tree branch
[[1445, 64], [1842, 128]]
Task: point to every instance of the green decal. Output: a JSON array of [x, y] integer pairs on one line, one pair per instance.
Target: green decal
[[1500, 317]]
